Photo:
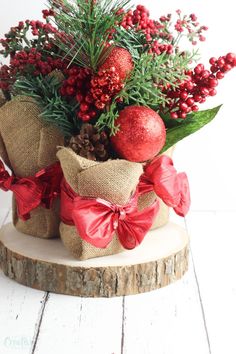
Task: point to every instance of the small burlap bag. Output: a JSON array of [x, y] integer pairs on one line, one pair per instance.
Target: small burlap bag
[[113, 180], [27, 145]]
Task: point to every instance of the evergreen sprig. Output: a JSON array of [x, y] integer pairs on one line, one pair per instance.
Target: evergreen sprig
[[86, 26], [151, 75], [133, 41], [55, 109], [108, 118]]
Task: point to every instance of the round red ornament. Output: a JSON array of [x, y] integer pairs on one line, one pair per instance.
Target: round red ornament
[[121, 60], [141, 136]]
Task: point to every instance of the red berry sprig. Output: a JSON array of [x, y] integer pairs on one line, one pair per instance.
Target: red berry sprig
[[200, 84], [76, 87], [104, 86], [31, 62], [93, 93]]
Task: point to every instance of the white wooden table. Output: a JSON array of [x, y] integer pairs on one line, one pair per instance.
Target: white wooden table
[[196, 315]]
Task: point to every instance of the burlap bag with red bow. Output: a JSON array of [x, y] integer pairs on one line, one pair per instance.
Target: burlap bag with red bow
[[114, 181], [27, 145]]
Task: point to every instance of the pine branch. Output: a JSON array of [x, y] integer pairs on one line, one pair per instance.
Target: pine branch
[[86, 26], [108, 118], [133, 41], [55, 110]]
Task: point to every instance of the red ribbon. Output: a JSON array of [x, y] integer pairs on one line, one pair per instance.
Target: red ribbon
[[172, 187], [30, 192], [97, 220]]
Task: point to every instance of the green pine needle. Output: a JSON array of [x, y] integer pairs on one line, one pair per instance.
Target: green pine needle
[[55, 109], [87, 28]]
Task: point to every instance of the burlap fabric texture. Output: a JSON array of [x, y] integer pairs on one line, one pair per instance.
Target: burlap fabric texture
[[27, 145]]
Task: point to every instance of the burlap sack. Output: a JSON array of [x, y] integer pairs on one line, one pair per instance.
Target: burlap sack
[[27, 144], [113, 180]]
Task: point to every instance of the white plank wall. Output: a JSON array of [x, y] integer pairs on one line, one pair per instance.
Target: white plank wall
[[195, 315]]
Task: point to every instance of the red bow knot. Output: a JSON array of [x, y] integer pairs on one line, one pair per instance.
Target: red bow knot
[[172, 187], [97, 220], [31, 192]]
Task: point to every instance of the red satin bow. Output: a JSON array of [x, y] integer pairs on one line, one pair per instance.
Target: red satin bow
[[97, 220], [30, 192], [172, 187]]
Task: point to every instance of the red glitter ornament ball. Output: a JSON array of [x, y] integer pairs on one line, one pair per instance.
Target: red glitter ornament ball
[[121, 59], [141, 136]]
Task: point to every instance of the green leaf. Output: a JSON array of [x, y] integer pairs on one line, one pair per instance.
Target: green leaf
[[193, 123]]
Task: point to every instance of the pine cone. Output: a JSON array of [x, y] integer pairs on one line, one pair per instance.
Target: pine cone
[[90, 143]]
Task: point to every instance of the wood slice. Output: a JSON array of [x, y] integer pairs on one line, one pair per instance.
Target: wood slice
[[46, 265]]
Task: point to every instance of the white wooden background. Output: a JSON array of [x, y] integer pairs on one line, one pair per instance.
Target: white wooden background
[[196, 315]]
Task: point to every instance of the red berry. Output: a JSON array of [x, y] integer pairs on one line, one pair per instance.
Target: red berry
[[206, 74], [212, 82], [197, 98], [220, 75], [230, 57], [89, 99], [204, 91], [79, 97], [198, 69], [226, 67], [174, 115], [183, 106], [71, 81], [189, 85], [203, 99], [85, 117], [212, 61], [100, 105], [84, 107], [70, 90], [214, 68], [221, 62], [190, 102], [195, 108], [183, 95], [92, 114], [212, 92], [183, 115]]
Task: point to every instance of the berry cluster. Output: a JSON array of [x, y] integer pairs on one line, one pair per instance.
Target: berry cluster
[[200, 84], [29, 62], [76, 86], [159, 48], [104, 86], [47, 13], [190, 25], [92, 93], [139, 20], [16, 39], [38, 26], [159, 34]]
